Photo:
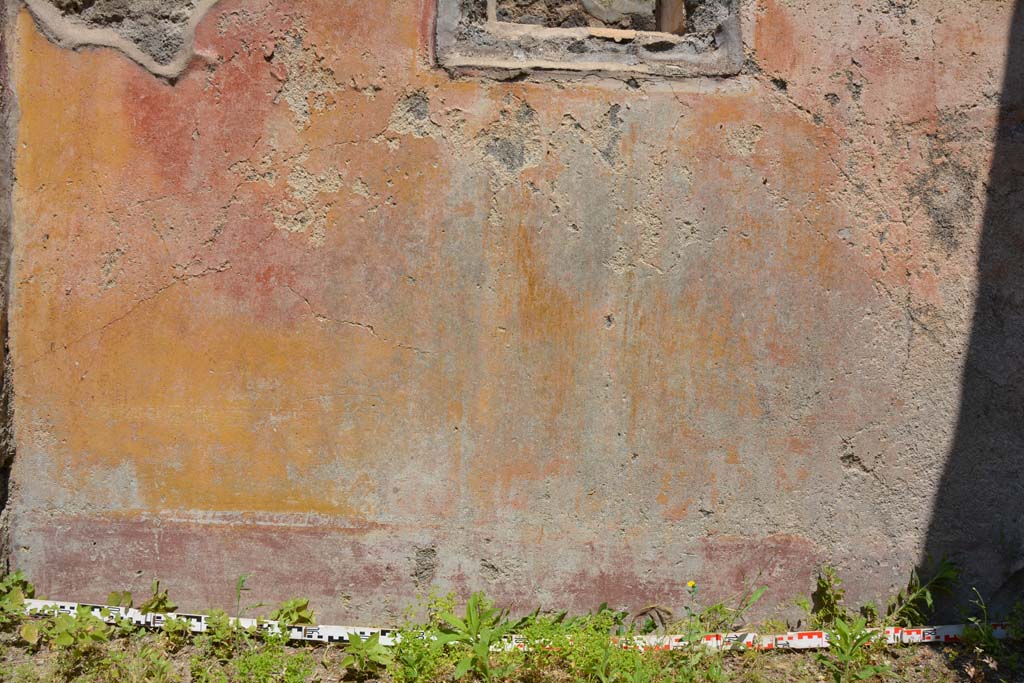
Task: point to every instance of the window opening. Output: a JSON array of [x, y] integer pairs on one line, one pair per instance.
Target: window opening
[[656, 37]]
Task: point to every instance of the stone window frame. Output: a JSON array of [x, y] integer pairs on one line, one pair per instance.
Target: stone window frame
[[506, 50]]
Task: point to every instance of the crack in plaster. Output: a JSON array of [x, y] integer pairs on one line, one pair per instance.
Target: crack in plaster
[[366, 327], [177, 279]]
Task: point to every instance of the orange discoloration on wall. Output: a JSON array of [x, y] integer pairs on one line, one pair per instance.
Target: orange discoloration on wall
[[88, 115], [776, 37]]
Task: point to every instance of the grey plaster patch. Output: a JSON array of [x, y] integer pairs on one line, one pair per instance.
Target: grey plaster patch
[[411, 116], [489, 570], [514, 141], [705, 17], [309, 84], [424, 561], [157, 34], [946, 190]]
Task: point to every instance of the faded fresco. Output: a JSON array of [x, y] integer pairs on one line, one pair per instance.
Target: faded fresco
[[289, 299]]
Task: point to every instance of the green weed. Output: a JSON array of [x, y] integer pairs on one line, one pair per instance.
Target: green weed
[[158, 602], [176, 633], [120, 599], [546, 641], [78, 639], [146, 664], [205, 671], [14, 590], [978, 635], [239, 589], [221, 638], [914, 604], [270, 662], [475, 644], [366, 656], [587, 649], [418, 655], [415, 657], [826, 603], [26, 673], [847, 656], [482, 628], [124, 628], [1015, 621], [294, 612]]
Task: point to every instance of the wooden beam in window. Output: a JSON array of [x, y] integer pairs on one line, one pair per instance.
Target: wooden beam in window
[[670, 16]]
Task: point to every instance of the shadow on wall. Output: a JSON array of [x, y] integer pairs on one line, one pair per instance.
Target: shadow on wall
[[7, 115], [978, 518]]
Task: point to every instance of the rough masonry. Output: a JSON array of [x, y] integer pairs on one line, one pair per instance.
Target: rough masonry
[[288, 299]]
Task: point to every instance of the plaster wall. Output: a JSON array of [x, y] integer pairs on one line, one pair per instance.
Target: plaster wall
[[320, 312]]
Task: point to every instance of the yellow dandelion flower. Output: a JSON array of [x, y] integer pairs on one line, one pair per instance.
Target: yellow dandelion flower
[[691, 584]]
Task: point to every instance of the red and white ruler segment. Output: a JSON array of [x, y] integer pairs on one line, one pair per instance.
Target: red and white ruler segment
[[797, 640]]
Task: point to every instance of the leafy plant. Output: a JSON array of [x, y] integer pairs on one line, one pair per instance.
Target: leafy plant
[[603, 667], [124, 627], [1016, 621], [546, 640], [590, 651], [145, 665], [366, 656], [201, 670], [176, 633], [221, 638], [417, 654], [847, 656], [120, 599], [64, 631], [271, 663], [415, 657], [78, 638], [717, 617], [482, 628], [694, 661], [978, 633], [736, 615], [14, 589], [639, 674], [869, 610], [914, 604], [32, 633], [294, 612], [159, 602], [826, 604], [240, 588]]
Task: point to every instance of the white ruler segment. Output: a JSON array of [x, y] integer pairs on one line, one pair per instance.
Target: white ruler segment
[[797, 640]]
